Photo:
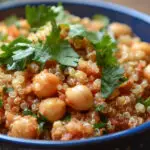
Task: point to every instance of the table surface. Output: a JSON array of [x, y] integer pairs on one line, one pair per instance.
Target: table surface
[[140, 5]]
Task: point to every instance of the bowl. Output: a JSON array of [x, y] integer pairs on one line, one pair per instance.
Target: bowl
[[124, 140]]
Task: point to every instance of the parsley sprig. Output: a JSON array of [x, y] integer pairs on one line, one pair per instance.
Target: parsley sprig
[[21, 52], [145, 102], [105, 46]]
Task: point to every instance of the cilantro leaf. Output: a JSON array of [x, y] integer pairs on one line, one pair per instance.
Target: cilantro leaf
[[27, 112], [78, 30], [112, 74], [1, 103], [39, 16], [145, 102], [62, 15], [21, 52], [61, 50], [101, 18], [105, 51], [16, 55], [67, 117], [99, 108], [111, 79], [40, 119], [99, 125]]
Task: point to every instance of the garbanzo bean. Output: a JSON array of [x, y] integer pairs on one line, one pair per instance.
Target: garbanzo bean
[[142, 46], [79, 97], [45, 84], [24, 127], [119, 29], [52, 108]]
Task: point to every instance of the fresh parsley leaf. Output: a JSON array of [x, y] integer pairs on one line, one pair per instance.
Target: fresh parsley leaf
[[147, 102], [63, 67], [61, 50], [112, 74], [101, 18], [99, 125], [1, 103], [11, 20], [111, 79], [144, 102], [67, 117], [19, 43], [105, 51], [16, 55], [140, 100], [21, 52], [99, 108], [41, 118], [78, 30], [27, 112], [42, 121], [62, 15], [39, 16]]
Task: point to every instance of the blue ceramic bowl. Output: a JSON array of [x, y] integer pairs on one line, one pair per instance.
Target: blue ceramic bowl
[[140, 24]]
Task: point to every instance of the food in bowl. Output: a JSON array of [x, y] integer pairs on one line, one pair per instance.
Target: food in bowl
[[63, 77]]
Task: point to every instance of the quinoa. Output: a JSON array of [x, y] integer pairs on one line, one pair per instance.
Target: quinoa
[[67, 104]]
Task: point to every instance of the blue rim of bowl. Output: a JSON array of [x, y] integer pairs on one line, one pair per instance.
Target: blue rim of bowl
[[92, 140]]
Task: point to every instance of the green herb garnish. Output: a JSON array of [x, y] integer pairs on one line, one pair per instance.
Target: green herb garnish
[[67, 117], [105, 46], [21, 52], [111, 79], [99, 108], [105, 51], [78, 30], [27, 112], [39, 16], [99, 125], [145, 102], [112, 73], [1, 103]]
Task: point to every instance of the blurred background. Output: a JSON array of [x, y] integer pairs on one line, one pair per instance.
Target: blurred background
[[140, 5]]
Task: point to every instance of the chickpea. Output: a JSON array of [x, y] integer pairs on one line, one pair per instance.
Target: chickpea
[[142, 46], [24, 127], [52, 108], [24, 24], [10, 118], [79, 97], [147, 72], [45, 84], [120, 29]]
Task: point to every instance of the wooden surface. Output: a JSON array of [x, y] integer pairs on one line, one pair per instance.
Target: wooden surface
[[140, 5]]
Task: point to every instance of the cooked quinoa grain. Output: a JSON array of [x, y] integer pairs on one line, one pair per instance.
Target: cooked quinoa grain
[[68, 79]]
